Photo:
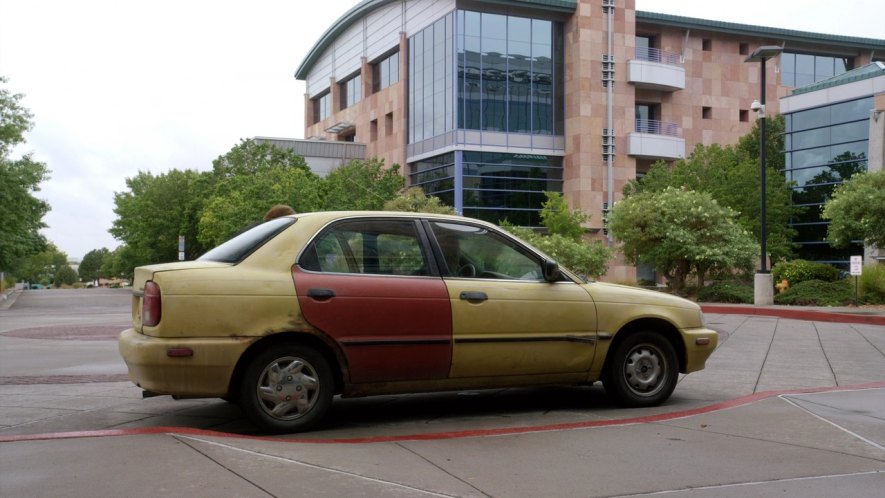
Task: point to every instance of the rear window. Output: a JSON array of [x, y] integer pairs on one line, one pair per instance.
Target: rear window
[[237, 248]]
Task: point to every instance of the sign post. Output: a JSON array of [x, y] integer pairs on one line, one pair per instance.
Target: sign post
[[181, 247], [856, 270]]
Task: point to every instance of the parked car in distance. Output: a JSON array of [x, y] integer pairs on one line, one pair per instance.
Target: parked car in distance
[[285, 316]]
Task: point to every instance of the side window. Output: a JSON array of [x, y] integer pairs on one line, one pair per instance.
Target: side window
[[378, 247], [474, 252]]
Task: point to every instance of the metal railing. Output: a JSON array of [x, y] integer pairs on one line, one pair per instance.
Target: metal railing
[[658, 55], [655, 127]]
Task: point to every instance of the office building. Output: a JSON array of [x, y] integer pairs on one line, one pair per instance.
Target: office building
[[488, 104]]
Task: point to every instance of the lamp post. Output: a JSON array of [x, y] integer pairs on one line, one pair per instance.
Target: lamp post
[[763, 286]]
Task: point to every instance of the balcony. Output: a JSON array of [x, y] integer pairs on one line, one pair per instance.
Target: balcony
[[655, 69], [655, 140]]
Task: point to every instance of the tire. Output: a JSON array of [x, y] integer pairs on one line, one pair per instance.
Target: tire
[[642, 371], [287, 388]]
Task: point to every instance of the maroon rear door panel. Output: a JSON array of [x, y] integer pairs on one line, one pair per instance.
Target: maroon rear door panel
[[390, 327]]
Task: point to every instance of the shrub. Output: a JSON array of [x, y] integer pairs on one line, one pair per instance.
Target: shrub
[[727, 292], [799, 270], [872, 284], [817, 293]]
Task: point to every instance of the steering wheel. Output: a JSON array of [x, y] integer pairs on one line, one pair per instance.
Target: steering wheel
[[467, 270]]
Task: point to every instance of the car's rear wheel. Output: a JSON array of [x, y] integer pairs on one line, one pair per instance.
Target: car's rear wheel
[[287, 388], [642, 370]]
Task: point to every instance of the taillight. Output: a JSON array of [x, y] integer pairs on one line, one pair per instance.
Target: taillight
[[150, 304]]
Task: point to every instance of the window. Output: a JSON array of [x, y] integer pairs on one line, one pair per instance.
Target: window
[[351, 91], [804, 69], [509, 74], [744, 49], [322, 107], [707, 45], [385, 72], [744, 115], [707, 112], [825, 146], [388, 123], [379, 247], [473, 252], [237, 248], [373, 130]]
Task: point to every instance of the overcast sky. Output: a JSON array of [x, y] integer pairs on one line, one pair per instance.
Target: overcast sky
[[116, 87]]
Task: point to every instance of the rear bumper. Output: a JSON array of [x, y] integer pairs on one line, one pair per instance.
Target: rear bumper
[[696, 352], [207, 373]]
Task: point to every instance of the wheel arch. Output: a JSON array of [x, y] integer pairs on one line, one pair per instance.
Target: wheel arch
[[656, 325], [335, 362]]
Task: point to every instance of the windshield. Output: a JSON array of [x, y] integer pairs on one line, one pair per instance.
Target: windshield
[[237, 248]]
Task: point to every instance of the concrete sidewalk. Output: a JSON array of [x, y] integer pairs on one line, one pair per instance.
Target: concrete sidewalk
[[785, 406]]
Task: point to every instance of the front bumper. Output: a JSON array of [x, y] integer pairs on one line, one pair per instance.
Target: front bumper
[[207, 373], [699, 345]]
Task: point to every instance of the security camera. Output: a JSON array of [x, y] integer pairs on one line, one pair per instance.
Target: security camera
[[756, 106]]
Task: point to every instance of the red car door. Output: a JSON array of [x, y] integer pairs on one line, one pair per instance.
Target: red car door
[[368, 285]]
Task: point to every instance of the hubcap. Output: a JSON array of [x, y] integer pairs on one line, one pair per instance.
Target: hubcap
[[645, 370], [288, 388]]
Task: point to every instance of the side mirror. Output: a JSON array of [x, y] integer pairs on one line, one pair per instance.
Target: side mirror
[[551, 271]]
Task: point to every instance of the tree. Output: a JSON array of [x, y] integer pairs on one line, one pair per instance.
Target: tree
[[361, 185], [559, 219], [564, 240], [857, 211], [731, 175], [154, 212], [43, 267], [65, 276], [680, 232], [91, 268], [21, 214], [247, 181], [413, 200]]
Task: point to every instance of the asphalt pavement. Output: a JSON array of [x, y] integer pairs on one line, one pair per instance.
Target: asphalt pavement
[[792, 403]]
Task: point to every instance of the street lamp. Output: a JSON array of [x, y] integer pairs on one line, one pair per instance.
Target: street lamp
[[763, 286]]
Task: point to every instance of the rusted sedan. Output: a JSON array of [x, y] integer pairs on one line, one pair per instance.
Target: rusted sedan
[[285, 316]]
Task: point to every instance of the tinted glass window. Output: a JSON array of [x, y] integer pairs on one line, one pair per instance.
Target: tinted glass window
[[237, 248], [378, 247], [475, 252]]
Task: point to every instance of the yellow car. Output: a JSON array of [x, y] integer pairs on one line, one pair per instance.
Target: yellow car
[[284, 316]]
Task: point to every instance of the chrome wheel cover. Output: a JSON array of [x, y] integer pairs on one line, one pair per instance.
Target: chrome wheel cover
[[288, 388]]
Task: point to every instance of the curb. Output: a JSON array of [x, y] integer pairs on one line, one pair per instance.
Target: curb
[[795, 314]]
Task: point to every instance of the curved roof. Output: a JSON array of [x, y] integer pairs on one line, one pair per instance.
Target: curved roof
[[365, 7]]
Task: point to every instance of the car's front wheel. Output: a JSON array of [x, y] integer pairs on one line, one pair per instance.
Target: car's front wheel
[[287, 388], [642, 370]]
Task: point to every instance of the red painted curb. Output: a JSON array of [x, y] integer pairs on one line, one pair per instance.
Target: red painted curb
[[185, 431], [795, 314]]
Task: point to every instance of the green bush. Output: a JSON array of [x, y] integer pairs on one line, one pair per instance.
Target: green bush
[[817, 293], [727, 292], [872, 284], [799, 270]]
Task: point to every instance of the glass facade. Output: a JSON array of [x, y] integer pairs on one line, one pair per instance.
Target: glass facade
[[804, 69], [509, 75], [490, 73], [491, 186], [431, 87], [824, 147]]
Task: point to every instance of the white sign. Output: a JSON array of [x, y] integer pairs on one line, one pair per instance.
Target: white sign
[[856, 265]]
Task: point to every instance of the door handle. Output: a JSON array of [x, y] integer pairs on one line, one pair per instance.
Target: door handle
[[321, 294], [474, 296]]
